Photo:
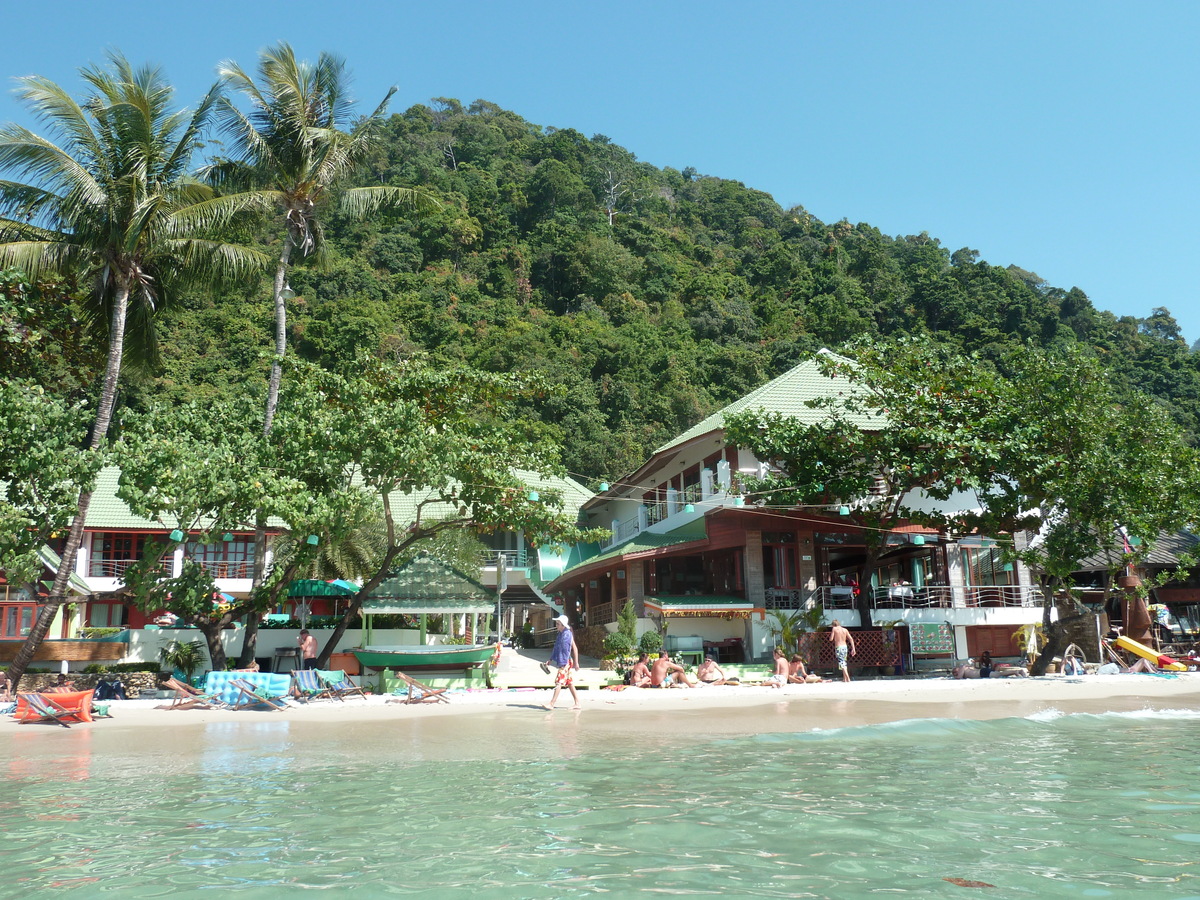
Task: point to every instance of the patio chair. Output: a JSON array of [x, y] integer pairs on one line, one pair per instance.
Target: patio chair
[[308, 685], [422, 693], [250, 696], [41, 708], [344, 687]]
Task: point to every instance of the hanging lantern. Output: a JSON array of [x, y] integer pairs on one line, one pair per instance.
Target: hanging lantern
[[534, 496], [176, 535], [689, 508], [843, 510], [603, 486], [919, 540], [227, 537], [312, 540]]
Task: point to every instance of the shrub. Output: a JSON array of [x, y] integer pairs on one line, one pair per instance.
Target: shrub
[[627, 622], [617, 644], [115, 668], [91, 633], [651, 642]]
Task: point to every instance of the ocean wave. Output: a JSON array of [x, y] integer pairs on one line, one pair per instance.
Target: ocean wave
[[924, 729]]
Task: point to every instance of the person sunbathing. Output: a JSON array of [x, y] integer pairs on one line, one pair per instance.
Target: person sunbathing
[[782, 670], [665, 673], [639, 675], [797, 674], [1140, 665], [61, 686], [708, 672]]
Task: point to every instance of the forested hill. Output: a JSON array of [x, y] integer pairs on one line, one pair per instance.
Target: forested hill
[[652, 296]]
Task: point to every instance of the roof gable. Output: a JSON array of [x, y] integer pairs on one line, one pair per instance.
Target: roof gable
[[789, 395]]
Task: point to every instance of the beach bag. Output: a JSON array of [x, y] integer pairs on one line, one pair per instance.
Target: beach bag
[[103, 691]]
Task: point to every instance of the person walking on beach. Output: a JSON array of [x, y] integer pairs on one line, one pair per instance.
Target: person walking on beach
[[843, 647], [564, 656], [308, 649]]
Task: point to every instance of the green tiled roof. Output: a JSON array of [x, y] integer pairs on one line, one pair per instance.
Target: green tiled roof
[[685, 534], [431, 586], [52, 561], [788, 395], [107, 511]]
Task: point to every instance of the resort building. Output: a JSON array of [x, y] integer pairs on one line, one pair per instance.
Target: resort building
[[114, 538], [693, 556]]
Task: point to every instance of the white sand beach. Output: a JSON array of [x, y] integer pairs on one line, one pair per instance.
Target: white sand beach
[[514, 722]]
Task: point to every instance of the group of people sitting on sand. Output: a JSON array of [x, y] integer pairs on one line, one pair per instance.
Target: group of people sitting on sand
[[663, 673]]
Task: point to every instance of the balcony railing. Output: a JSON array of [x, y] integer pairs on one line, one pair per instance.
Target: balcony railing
[[513, 559], [602, 613], [692, 493], [932, 596], [656, 512], [116, 568], [242, 568]]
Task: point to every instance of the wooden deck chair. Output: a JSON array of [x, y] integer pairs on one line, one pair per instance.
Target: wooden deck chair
[[249, 696], [188, 697], [344, 688], [422, 693], [307, 685], [40, 708]]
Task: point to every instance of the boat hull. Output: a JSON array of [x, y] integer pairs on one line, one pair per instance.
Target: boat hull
[[439, 657]]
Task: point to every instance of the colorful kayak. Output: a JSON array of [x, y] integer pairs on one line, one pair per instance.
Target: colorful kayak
[[1163, 662]]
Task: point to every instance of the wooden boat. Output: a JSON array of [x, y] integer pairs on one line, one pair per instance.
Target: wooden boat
[[445, 657]]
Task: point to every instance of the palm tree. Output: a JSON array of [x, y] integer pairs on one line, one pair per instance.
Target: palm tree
[[112, 207], [294, 148]]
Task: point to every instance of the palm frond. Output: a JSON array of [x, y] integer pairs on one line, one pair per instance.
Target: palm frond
[[359, 202]]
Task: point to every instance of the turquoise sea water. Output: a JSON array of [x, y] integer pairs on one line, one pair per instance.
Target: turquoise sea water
[[1048, 806]]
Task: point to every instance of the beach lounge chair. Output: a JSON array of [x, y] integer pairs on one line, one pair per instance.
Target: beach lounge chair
[[188, 697], [41, 708], [344, 687], [250, 696], [308, 685], [422, 693]]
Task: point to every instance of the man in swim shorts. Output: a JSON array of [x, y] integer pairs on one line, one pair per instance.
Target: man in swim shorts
[[665, 673], [843, 647], [565, 656], [780, 676]]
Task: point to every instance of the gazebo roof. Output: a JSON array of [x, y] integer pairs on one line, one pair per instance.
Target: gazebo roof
[[427, 585]]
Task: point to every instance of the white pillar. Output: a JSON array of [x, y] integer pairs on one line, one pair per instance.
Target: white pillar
[[706, 483], [723, 478]]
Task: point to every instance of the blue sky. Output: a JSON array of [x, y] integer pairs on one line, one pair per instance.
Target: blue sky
[[1061, 137]]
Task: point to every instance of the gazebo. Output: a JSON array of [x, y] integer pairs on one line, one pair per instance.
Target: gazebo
[[428, 586]]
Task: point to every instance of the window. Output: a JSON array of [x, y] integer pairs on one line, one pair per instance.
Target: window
[[113, 552], [227, 559], [16, 619], [983, 566], [106, 615], [779, 560]]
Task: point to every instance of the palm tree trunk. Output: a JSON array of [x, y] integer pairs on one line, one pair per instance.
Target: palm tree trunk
[[280, 335], [250, 639], [104, 411]]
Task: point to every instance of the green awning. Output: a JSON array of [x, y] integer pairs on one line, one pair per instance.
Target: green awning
[[52, 561], [311, 587]]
